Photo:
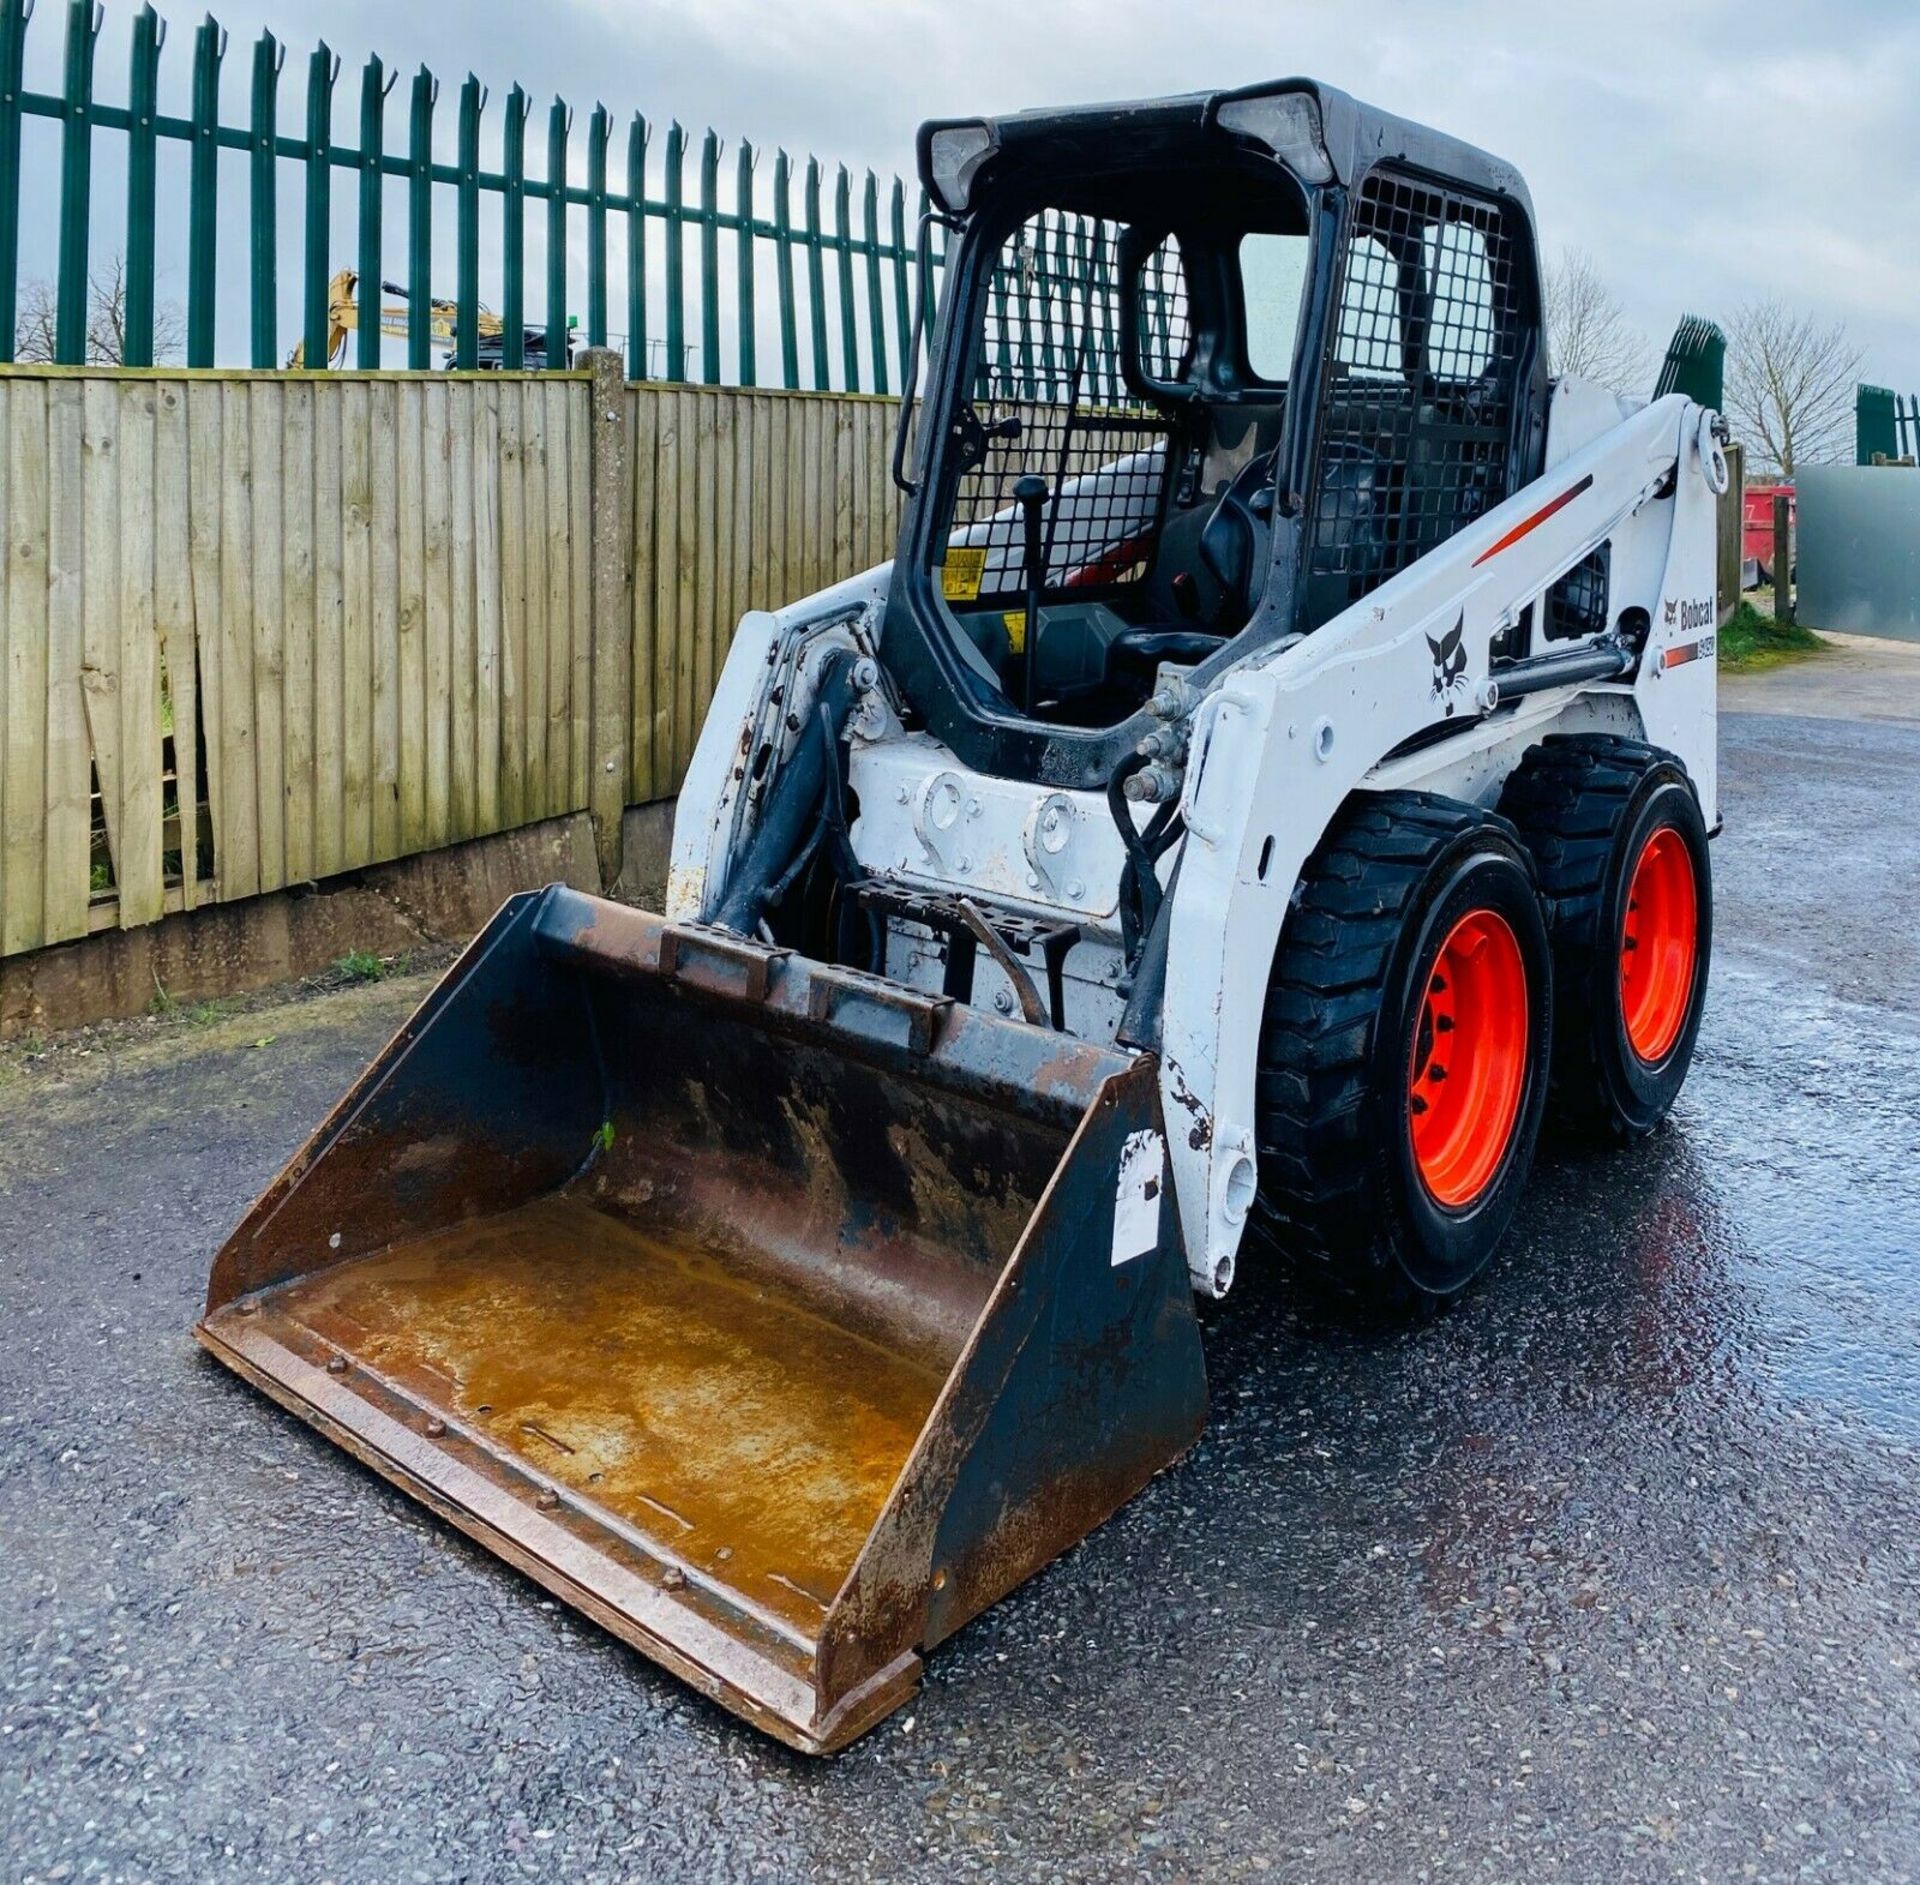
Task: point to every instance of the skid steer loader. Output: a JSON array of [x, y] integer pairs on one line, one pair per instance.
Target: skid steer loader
[[1274, 770]]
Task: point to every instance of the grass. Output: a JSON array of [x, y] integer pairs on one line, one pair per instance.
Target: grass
[[357, 966], [166, 1006], [1753, 642], [362, 965]]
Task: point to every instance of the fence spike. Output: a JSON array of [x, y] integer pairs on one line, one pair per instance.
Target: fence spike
[[710, 258], [743, 209], [676, 257], [209, 49], [76, 183], [263, 191], [466, 228], [783, 265], [376, 82], [816, 277], [425, 95], [902, 305], [599, 133], [513, 231], [14, 15], [843, 238], [143, 84], [876, 313], [559, 132], [637, 248], [322, 70]]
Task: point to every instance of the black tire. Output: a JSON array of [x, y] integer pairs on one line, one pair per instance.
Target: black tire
[[1587, 805], [1342, 1195]]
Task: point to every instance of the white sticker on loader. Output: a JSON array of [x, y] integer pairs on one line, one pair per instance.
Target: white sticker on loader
[[1136, 1196]]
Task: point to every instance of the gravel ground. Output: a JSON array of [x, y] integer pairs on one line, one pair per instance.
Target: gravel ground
[[1608, 1575]]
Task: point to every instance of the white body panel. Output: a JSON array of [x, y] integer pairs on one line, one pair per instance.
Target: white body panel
[[1277, 745], [1579, 412], [1287, 738]]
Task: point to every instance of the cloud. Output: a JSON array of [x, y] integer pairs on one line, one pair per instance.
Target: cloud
[[1703, 151]]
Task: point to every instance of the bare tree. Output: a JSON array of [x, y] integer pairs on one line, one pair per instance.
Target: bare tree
[[1588, 331], [36, 327], [1790, 384], [107, 320], [35, 323]]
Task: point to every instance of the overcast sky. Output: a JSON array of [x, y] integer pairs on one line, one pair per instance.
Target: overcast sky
[[1703, 151]]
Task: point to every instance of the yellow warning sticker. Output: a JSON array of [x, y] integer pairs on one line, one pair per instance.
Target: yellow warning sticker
[[961, 573], [1016, 621]]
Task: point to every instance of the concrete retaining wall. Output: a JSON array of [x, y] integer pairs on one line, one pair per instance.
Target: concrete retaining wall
[[434, 898]]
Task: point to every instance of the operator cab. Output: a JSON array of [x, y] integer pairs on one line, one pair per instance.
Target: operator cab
[[1206, 371], [1129, 382]]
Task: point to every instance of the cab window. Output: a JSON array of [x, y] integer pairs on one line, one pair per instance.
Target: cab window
[[1273, 273]]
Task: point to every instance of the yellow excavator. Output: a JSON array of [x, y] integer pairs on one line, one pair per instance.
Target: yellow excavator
[[395, 318]]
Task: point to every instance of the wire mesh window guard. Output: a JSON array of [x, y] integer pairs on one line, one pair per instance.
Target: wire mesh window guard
[[1166, 334], [1423, 385], [1577, 603], [1051, 396]]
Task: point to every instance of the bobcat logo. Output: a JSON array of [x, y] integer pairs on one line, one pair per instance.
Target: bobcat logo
[[1449, 663], [1678, 612]]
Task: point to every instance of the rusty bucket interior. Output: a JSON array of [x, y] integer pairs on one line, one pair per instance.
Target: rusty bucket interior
[[776, 1316]]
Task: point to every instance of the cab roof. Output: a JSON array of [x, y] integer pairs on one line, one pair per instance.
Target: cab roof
[[1319, 133]]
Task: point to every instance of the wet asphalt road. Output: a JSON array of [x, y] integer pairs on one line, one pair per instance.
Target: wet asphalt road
[[1609, 1575]]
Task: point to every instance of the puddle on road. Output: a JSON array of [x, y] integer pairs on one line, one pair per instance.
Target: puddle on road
[[1802, 1128]]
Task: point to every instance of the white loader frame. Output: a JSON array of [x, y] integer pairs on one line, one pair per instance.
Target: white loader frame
[[1277, 743]]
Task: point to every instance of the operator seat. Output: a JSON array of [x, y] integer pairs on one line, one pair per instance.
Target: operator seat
[[1236, 545]]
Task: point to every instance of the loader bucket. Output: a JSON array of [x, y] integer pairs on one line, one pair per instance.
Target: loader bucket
[[779, 1317]]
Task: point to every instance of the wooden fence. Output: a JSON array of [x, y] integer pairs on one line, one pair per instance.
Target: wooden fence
[[259, 629], [741, 501]]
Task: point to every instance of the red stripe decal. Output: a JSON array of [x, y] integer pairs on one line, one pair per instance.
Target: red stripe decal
[[1110, 565], [1534, 522]]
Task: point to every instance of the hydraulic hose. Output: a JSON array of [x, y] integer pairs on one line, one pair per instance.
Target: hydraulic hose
[[1142, 1021], [1140, 883], [791, 812]]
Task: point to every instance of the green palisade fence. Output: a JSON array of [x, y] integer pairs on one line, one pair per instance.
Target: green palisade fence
[[1876, 433], [856, 326], [1886, 425]]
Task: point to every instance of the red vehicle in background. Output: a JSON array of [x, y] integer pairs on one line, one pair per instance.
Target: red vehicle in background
[[1756, 531]]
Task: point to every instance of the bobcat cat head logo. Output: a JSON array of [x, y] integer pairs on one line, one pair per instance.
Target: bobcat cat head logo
[[1449, 662]]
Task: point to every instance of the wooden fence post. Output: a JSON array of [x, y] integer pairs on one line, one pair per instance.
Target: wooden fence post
[[1782, 557], [610, 523], [1731, 558]]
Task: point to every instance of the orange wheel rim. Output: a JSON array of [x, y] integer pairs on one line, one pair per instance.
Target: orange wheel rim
[[1659, 945], [1469, 1065]]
